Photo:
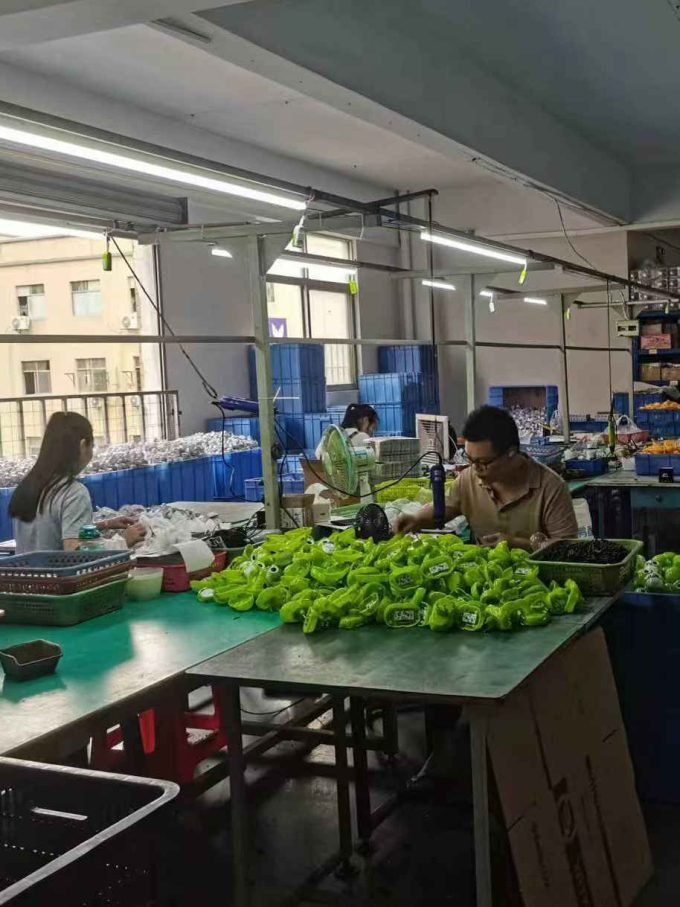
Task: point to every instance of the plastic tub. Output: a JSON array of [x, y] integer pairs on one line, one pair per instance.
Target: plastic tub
[[592, 579], [30, 659], [145, 583]]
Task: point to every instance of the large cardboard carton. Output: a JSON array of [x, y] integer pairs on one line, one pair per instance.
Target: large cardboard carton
[[565, 781]]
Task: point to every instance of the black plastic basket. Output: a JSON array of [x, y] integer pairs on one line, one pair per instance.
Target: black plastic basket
[[77, 838]]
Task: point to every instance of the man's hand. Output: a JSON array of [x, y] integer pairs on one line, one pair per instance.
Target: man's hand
[[407, 522], [514, 541]]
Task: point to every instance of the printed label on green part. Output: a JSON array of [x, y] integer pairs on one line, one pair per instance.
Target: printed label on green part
[[403, 579], [402, 617], [469, 617], [522, 571], [436, 569]]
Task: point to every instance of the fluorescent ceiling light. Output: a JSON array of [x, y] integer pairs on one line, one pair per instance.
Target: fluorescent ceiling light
[[220, 253], [438, 284], [534, 301], [147, 168], [487, 293], [19, 229], [492, 305], [475, 248]]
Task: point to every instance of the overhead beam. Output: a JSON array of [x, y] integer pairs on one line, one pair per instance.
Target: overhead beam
[[34, 21], [400, 70]]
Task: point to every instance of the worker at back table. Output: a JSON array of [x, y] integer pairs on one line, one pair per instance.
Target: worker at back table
[[49, 505], [359, 423], [504, 494]]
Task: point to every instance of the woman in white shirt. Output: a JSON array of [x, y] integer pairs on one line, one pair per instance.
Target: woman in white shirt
[[359, 423], [49, 506]]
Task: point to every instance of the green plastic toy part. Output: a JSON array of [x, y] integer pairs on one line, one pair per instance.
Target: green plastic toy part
[[352, 621], [328, 575], [442, 616], [272, 598], [361, 575], [237, 599], [403, 579], [437, 566], [469, 615], [574, 596], [206, 595], [401, 614]]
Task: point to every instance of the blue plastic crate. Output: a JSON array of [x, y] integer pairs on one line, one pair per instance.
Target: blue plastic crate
[[187, 480], [498, 395], [396, 419], [292, 464], [6, 525], [247, 426], [230, 474], [398, 387], [592, 426], [297, 397], [292, 362], [315, 424], [417, 358], [643, 638], [642, 464], [293, 484], [254, 490], [589, 468], [621, 404]]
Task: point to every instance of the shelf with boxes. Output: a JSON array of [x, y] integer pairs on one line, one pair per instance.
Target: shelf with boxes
[[656, 352]]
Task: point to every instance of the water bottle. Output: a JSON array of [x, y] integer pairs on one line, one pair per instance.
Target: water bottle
[[90, 538]]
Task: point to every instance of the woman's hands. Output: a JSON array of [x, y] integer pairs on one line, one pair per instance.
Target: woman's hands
[[131, 530], [134, 534], [118, 522]]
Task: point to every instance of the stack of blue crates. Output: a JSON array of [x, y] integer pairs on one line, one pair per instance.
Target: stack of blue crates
[[410, 387], [299, 382]]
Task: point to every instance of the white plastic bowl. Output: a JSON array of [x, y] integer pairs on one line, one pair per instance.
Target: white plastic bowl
[[145, 583]]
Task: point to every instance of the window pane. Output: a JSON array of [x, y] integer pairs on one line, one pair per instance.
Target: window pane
[[330, 316], [37, 378], [91, 375], [317, 244], [86, 297], [284, 305], [282, 268], [32, 302]]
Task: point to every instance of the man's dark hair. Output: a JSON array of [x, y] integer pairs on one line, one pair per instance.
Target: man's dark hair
[[489, 423]]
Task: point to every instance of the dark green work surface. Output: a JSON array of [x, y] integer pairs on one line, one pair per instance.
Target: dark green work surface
[[113, 658], [417, 663]]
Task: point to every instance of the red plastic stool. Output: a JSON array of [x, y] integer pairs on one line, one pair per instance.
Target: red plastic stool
[[171, 751]]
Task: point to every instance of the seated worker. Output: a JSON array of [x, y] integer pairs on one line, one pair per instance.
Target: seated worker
[[504, 495], [359, 423], [49, 505]]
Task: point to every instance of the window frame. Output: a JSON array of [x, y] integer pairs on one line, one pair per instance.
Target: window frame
[[35, 372], [82, 292], [308, 284], [28, 297], [90, 372]]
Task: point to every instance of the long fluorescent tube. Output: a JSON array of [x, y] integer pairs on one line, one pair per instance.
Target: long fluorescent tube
[[438, 284], [476, 249], [133, 165], [534, 301], [487, 293], [220, 253], [19, 229]]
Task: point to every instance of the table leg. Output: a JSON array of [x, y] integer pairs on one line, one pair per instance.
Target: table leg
[[391, 730], [361, 789], [342, 787], [230, 708], [132, 745], [480, 801], [601, 498]]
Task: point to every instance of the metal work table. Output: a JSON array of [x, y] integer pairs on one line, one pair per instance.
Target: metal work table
[[113, 667], [474, 670]]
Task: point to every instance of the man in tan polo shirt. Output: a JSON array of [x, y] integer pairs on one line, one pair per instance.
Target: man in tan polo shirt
[[504, 494]]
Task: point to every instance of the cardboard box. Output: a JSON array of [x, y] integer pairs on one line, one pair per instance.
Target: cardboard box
[[297, 510], [650, 371], [565, 782], [670, 372], [656, 342]]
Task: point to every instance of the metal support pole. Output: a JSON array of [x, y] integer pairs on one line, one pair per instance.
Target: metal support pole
[[470, 344], [263, 364], [345, 868], [362, 791], [480, 806], [564, 372]]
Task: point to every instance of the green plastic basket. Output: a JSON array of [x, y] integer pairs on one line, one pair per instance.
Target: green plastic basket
[[592, 579], [63, 610]]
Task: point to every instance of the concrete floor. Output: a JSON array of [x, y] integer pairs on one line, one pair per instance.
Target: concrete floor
[[422, 854]]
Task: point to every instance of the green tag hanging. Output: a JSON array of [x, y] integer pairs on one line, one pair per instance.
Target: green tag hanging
[[353, 287], [522, 275]]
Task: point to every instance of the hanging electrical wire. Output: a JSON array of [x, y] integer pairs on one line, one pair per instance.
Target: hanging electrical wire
[[207, 387]]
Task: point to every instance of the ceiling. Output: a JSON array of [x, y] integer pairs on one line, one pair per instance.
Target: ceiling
[[153, 70]]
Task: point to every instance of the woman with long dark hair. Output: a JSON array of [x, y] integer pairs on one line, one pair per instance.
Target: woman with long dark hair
[[49, 506], [359, 423]]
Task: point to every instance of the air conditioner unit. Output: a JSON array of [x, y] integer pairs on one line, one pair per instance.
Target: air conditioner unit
[[433, 435], [130, 322], [21, 324]]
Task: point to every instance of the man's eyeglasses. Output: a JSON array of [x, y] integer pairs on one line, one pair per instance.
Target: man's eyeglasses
[[482, 462]]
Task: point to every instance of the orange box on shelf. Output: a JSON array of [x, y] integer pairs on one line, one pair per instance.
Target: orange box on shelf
[[656, 342], [650, 371]]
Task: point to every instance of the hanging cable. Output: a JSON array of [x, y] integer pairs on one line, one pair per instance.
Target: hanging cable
[[207, 387]]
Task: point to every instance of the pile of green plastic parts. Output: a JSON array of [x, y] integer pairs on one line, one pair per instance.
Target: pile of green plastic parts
[[660, 574], [434, 581], [411, 489]]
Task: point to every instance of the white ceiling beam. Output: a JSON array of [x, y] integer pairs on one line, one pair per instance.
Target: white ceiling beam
[[25, 22]]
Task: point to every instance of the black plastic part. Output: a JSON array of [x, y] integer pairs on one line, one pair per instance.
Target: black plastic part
[[371, 523]]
